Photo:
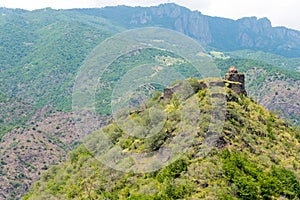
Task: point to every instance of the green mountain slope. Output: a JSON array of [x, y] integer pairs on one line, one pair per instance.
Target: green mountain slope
[[272, 59], [42, 51], [256, 156]]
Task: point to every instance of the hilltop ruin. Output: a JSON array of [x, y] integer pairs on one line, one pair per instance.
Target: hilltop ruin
[[233, 80]]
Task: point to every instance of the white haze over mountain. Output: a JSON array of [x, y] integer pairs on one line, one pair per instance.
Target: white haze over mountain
[[280, 12]]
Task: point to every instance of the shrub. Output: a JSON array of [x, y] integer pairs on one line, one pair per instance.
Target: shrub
[[254, 183]]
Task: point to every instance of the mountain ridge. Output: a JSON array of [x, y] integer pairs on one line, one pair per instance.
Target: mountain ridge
[[244, 33], [52, 45], [212, 31]]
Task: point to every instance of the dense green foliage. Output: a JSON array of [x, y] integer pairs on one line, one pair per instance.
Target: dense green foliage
[[272, 59], [252, 182], [255, 157], [42, 51], [126, 63]]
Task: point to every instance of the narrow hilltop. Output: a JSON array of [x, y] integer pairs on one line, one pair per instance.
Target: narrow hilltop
[[228, 147]]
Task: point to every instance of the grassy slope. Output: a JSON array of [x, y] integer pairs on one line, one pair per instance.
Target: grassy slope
[[255, 157]]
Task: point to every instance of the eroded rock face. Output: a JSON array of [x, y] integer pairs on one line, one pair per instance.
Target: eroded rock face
[[221, 33]]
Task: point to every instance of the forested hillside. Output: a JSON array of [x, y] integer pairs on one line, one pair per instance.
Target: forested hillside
[[41, 52], [255, 156]]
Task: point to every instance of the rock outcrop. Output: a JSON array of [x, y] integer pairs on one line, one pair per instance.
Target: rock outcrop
[[221, 33]]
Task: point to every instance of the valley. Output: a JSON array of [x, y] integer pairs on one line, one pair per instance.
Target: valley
[[41, 54]]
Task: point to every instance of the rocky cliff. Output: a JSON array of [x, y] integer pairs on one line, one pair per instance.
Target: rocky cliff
[[221, 33]]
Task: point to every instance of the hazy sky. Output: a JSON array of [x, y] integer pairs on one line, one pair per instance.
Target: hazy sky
[[280, 12]]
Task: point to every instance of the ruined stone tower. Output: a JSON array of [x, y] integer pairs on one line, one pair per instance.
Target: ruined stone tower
[[236, 81], [233, 80]]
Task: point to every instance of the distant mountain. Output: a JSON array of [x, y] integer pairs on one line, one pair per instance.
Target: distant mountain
[[42, 50], [221, 33]]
